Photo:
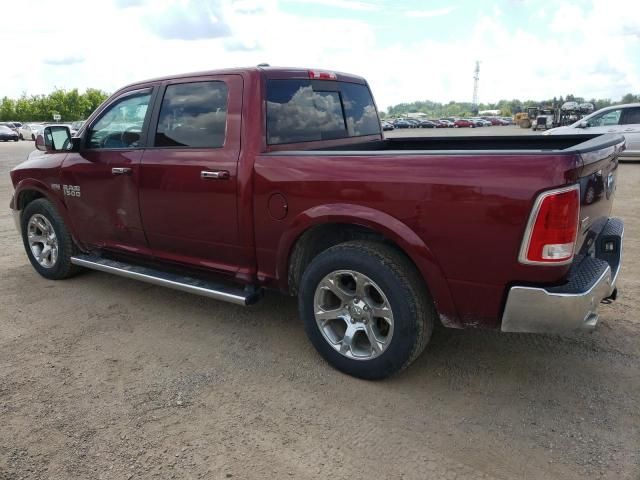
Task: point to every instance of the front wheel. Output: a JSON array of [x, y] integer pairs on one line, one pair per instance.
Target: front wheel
[[47, 241], [366, 309]]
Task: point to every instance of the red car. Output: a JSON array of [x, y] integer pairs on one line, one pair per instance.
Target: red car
[[229, 182], [463, 123], [494, 121]]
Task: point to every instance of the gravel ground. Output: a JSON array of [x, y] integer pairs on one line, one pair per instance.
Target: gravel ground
[[102, 377]]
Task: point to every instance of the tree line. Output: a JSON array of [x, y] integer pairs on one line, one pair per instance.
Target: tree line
[[506, 107], [71, 105]]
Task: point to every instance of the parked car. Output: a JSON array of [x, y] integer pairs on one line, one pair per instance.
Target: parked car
[[619, 119], [76, 126], [480, 122], [492, 120], [447, 123], [10, 126], [170, 183], [413, 122], [426, 124], [463, 122], [28, 131], [7, 134], [402, 123], [386, 126]]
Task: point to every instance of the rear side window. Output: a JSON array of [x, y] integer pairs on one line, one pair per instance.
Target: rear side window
[[308, 110], [631, 116], [193, 115]]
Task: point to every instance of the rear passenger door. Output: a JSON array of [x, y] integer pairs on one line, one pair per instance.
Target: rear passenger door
[[630, 123], [188, 188]]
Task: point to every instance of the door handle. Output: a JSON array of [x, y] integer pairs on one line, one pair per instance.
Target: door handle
[[120, 171], [214, 175], [629, 130]]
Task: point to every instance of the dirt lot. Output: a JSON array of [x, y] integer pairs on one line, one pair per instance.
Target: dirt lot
[[102, 377]]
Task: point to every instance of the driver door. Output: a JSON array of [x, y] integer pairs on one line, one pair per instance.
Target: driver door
[[100, 182]]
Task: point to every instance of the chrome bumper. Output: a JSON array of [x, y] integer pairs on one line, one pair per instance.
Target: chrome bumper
[[16, 220], [574, 305]]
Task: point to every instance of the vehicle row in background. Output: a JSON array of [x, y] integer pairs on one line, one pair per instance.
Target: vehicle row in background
[[30, 130], [449, 122]]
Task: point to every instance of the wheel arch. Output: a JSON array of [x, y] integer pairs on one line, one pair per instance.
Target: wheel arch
[[319, 228], [29, 190]]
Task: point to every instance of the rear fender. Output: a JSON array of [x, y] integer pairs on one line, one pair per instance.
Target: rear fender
[[390, 228]]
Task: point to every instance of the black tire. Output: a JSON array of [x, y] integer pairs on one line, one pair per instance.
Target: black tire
[[21, 137], [62, 268], [413, 310]]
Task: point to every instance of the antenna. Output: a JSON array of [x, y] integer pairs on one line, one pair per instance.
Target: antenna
[[476, 80]]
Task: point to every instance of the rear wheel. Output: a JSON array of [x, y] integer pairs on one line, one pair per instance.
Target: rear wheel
[[365, 309], [47, 241]]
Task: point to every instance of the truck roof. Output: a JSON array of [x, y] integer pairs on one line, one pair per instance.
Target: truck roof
[[266, 71]]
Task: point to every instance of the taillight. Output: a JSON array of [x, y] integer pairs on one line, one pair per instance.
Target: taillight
[[551, 233], [320, 75]]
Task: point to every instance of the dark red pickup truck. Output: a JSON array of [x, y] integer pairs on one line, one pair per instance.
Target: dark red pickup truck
[[227, 182]]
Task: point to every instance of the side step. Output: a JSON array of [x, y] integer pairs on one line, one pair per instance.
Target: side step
[[205, 288]]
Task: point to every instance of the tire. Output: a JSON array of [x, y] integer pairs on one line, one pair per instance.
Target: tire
[[33, 137], [21, 137], [402, 297], [44, 211]]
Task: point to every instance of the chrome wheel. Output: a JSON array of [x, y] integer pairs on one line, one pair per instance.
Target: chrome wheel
[[353, 314], [42, 240]]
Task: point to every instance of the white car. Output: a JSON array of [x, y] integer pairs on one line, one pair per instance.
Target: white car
[[620, 119], [29, 131]]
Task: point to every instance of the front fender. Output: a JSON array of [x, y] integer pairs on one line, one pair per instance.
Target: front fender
[[32, 184], [389, 227]]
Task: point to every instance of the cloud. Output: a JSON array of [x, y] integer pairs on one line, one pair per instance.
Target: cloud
[[128, 3], [345, 4], [72, 60], [235, 45], [436, 12], [191, 20]]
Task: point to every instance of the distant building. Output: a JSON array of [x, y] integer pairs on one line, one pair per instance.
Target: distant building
[[416, 115], [494, 113]]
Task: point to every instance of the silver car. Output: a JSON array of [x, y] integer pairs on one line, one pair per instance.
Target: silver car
[[621, 119]]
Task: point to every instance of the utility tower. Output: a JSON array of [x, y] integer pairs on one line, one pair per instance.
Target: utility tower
[[476, 79]]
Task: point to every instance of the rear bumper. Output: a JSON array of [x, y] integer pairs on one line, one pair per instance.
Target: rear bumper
[[573, 305]]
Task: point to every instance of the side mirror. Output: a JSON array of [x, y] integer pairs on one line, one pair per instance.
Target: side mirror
[[583, 125], [56, 138]]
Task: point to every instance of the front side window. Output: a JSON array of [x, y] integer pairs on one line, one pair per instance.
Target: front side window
[[193, 115], [308, 110], [120, 126], [606, 119]]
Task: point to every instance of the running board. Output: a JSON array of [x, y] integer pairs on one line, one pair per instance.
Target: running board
[[205, 288]]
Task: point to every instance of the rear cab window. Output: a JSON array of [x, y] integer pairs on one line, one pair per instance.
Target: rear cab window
[[300, 110]]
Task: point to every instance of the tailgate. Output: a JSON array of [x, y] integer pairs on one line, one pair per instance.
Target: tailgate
[[597, 180]]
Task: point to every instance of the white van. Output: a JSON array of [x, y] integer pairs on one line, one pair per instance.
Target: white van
[[621, 119]]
